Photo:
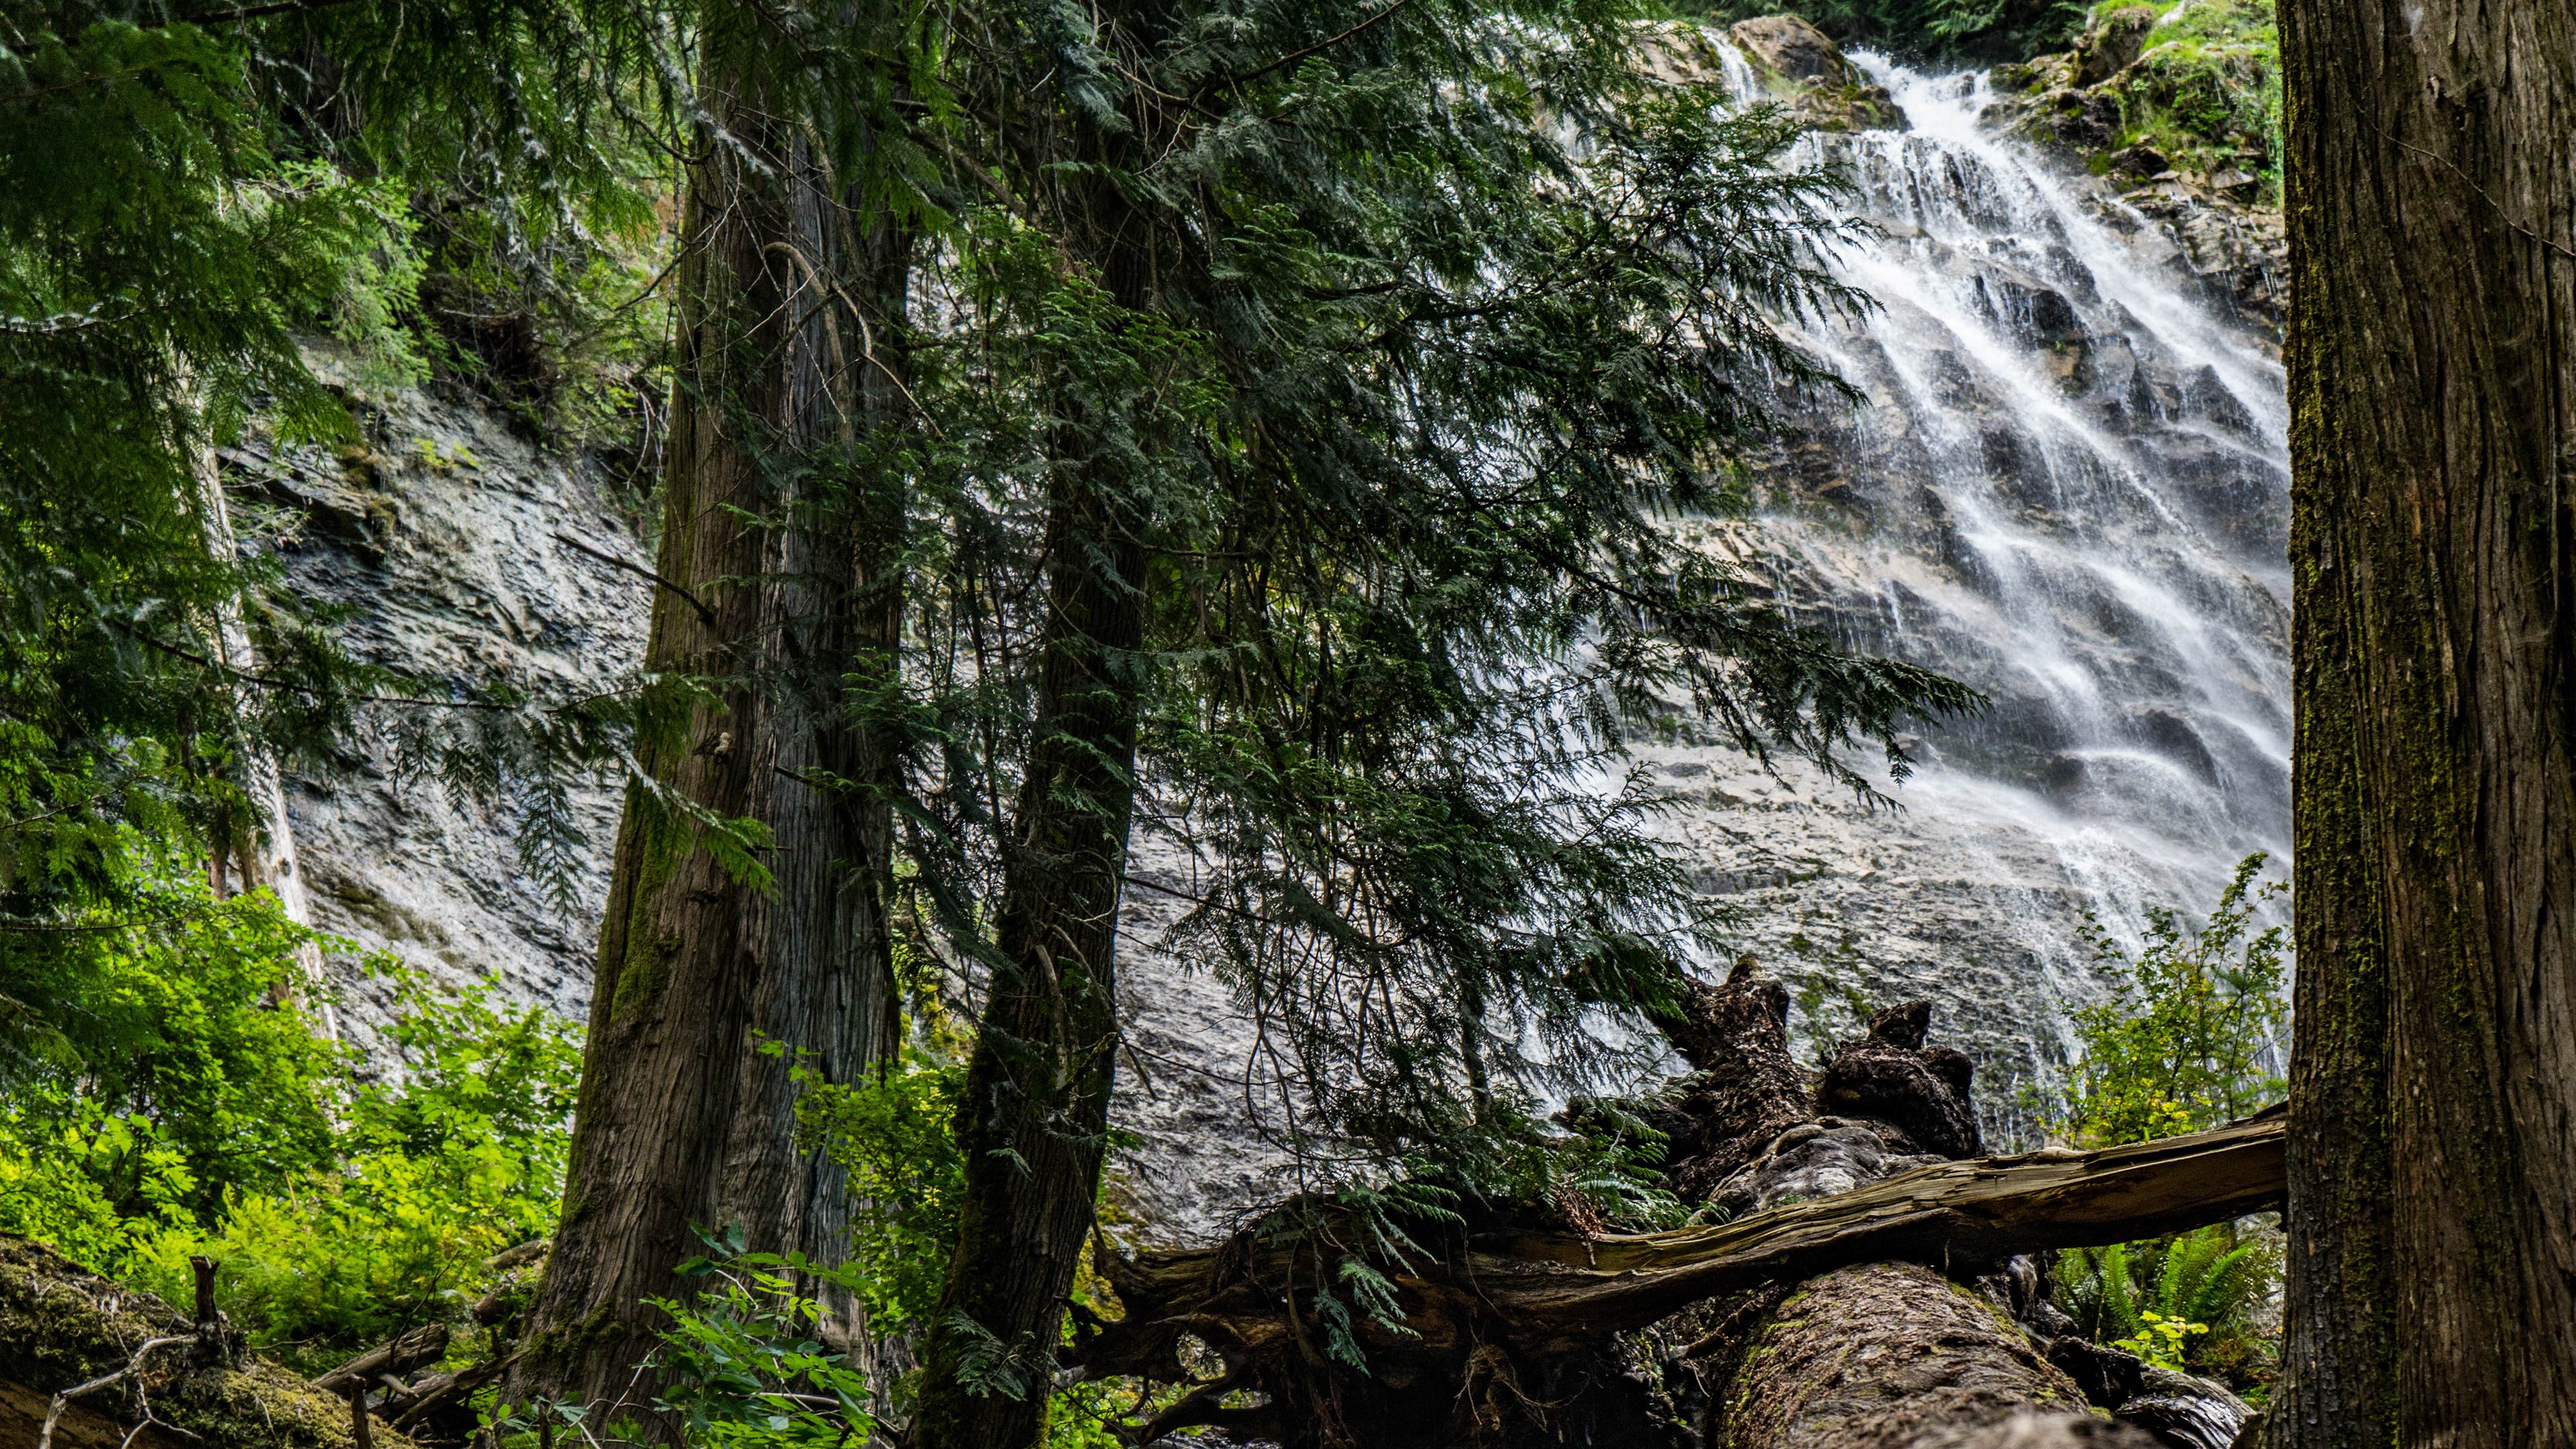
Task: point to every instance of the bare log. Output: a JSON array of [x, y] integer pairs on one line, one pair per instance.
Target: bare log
[[1537, 1287], [424, 1345]]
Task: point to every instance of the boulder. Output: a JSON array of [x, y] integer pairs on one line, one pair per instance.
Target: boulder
[[1803, 69]]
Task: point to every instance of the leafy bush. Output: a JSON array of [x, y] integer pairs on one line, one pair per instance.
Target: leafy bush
[[175, 1106], [462, 1157], [2193, 1036], [1938, 30], [2190, 1302], [2195, 1032], [147, 1068]]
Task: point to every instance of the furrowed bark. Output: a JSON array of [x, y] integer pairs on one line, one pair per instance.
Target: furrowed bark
[[2432, 361], [683, 1122]]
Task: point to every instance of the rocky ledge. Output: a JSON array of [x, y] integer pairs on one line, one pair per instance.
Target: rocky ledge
[[2174, 109]]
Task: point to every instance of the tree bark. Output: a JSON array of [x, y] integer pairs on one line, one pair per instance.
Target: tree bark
[[1034, 1125], [2432, 358], [771, 536]]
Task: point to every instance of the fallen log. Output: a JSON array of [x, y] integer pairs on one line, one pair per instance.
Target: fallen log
[[1512, 1334], [398, 1356], [99, 1360], [1966, 1217]]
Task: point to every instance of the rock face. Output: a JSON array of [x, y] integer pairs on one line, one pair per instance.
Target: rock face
[[1798, 66], [2066, 486], [440, 534], [2159, 106]]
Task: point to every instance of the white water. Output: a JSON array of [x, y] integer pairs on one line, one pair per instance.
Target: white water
[[2069, 490]]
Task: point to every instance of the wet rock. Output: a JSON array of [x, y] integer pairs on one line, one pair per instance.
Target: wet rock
[[2165, 730], [1802, 67], [1791, 48]]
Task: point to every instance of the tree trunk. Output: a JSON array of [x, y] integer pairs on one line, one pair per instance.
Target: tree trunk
[[1033, 1130], [1887, 1354], [773, 596], [1036, 1114], [2432, 357]]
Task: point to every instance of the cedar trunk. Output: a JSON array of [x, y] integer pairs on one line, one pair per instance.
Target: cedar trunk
[[770, 532], [1034, 1123], [2432, 357]]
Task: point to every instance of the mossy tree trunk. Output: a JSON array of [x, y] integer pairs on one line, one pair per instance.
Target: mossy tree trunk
[[775, 598], [2432, 356]]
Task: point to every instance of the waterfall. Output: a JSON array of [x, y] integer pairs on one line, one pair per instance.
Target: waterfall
[[2069, 488]]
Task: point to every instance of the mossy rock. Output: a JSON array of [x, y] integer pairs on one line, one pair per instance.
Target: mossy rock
[[62, 1325]]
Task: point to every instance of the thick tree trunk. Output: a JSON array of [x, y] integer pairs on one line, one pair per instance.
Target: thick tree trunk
[[684, 1122], [2432, 1167]]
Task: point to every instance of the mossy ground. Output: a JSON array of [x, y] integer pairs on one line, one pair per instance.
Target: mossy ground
[[2206, 91], [62, 1325]]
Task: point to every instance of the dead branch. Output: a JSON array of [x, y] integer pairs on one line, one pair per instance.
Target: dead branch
[[424, 1345], [133, 1366]]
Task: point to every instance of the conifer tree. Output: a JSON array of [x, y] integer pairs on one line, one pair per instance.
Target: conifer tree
[[1363, 392]]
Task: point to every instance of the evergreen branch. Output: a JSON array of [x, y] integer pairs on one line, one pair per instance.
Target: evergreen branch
[[1295, 56], [705, 615]]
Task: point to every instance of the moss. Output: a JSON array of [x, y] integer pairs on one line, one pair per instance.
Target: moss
[[61, 1324], [2206, 91], [566, 1341]]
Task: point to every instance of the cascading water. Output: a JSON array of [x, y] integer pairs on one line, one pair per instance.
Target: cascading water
[[2068, 488]]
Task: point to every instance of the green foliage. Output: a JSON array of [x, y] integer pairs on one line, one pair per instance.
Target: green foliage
[[1396, 434], [893, 1132], [2195, 1031], [176, 1111], [2194, 1036], [742, 1338], [461, 1157], [1939, 31], [2207, 89], [146, 1072], [2188, 1302], [2161, 1340]]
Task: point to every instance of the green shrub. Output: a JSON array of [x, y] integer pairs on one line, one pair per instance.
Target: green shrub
[[2188, 1302], [178, 1109], [460, 1158], [2196, 1030], [2193, 1036]]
